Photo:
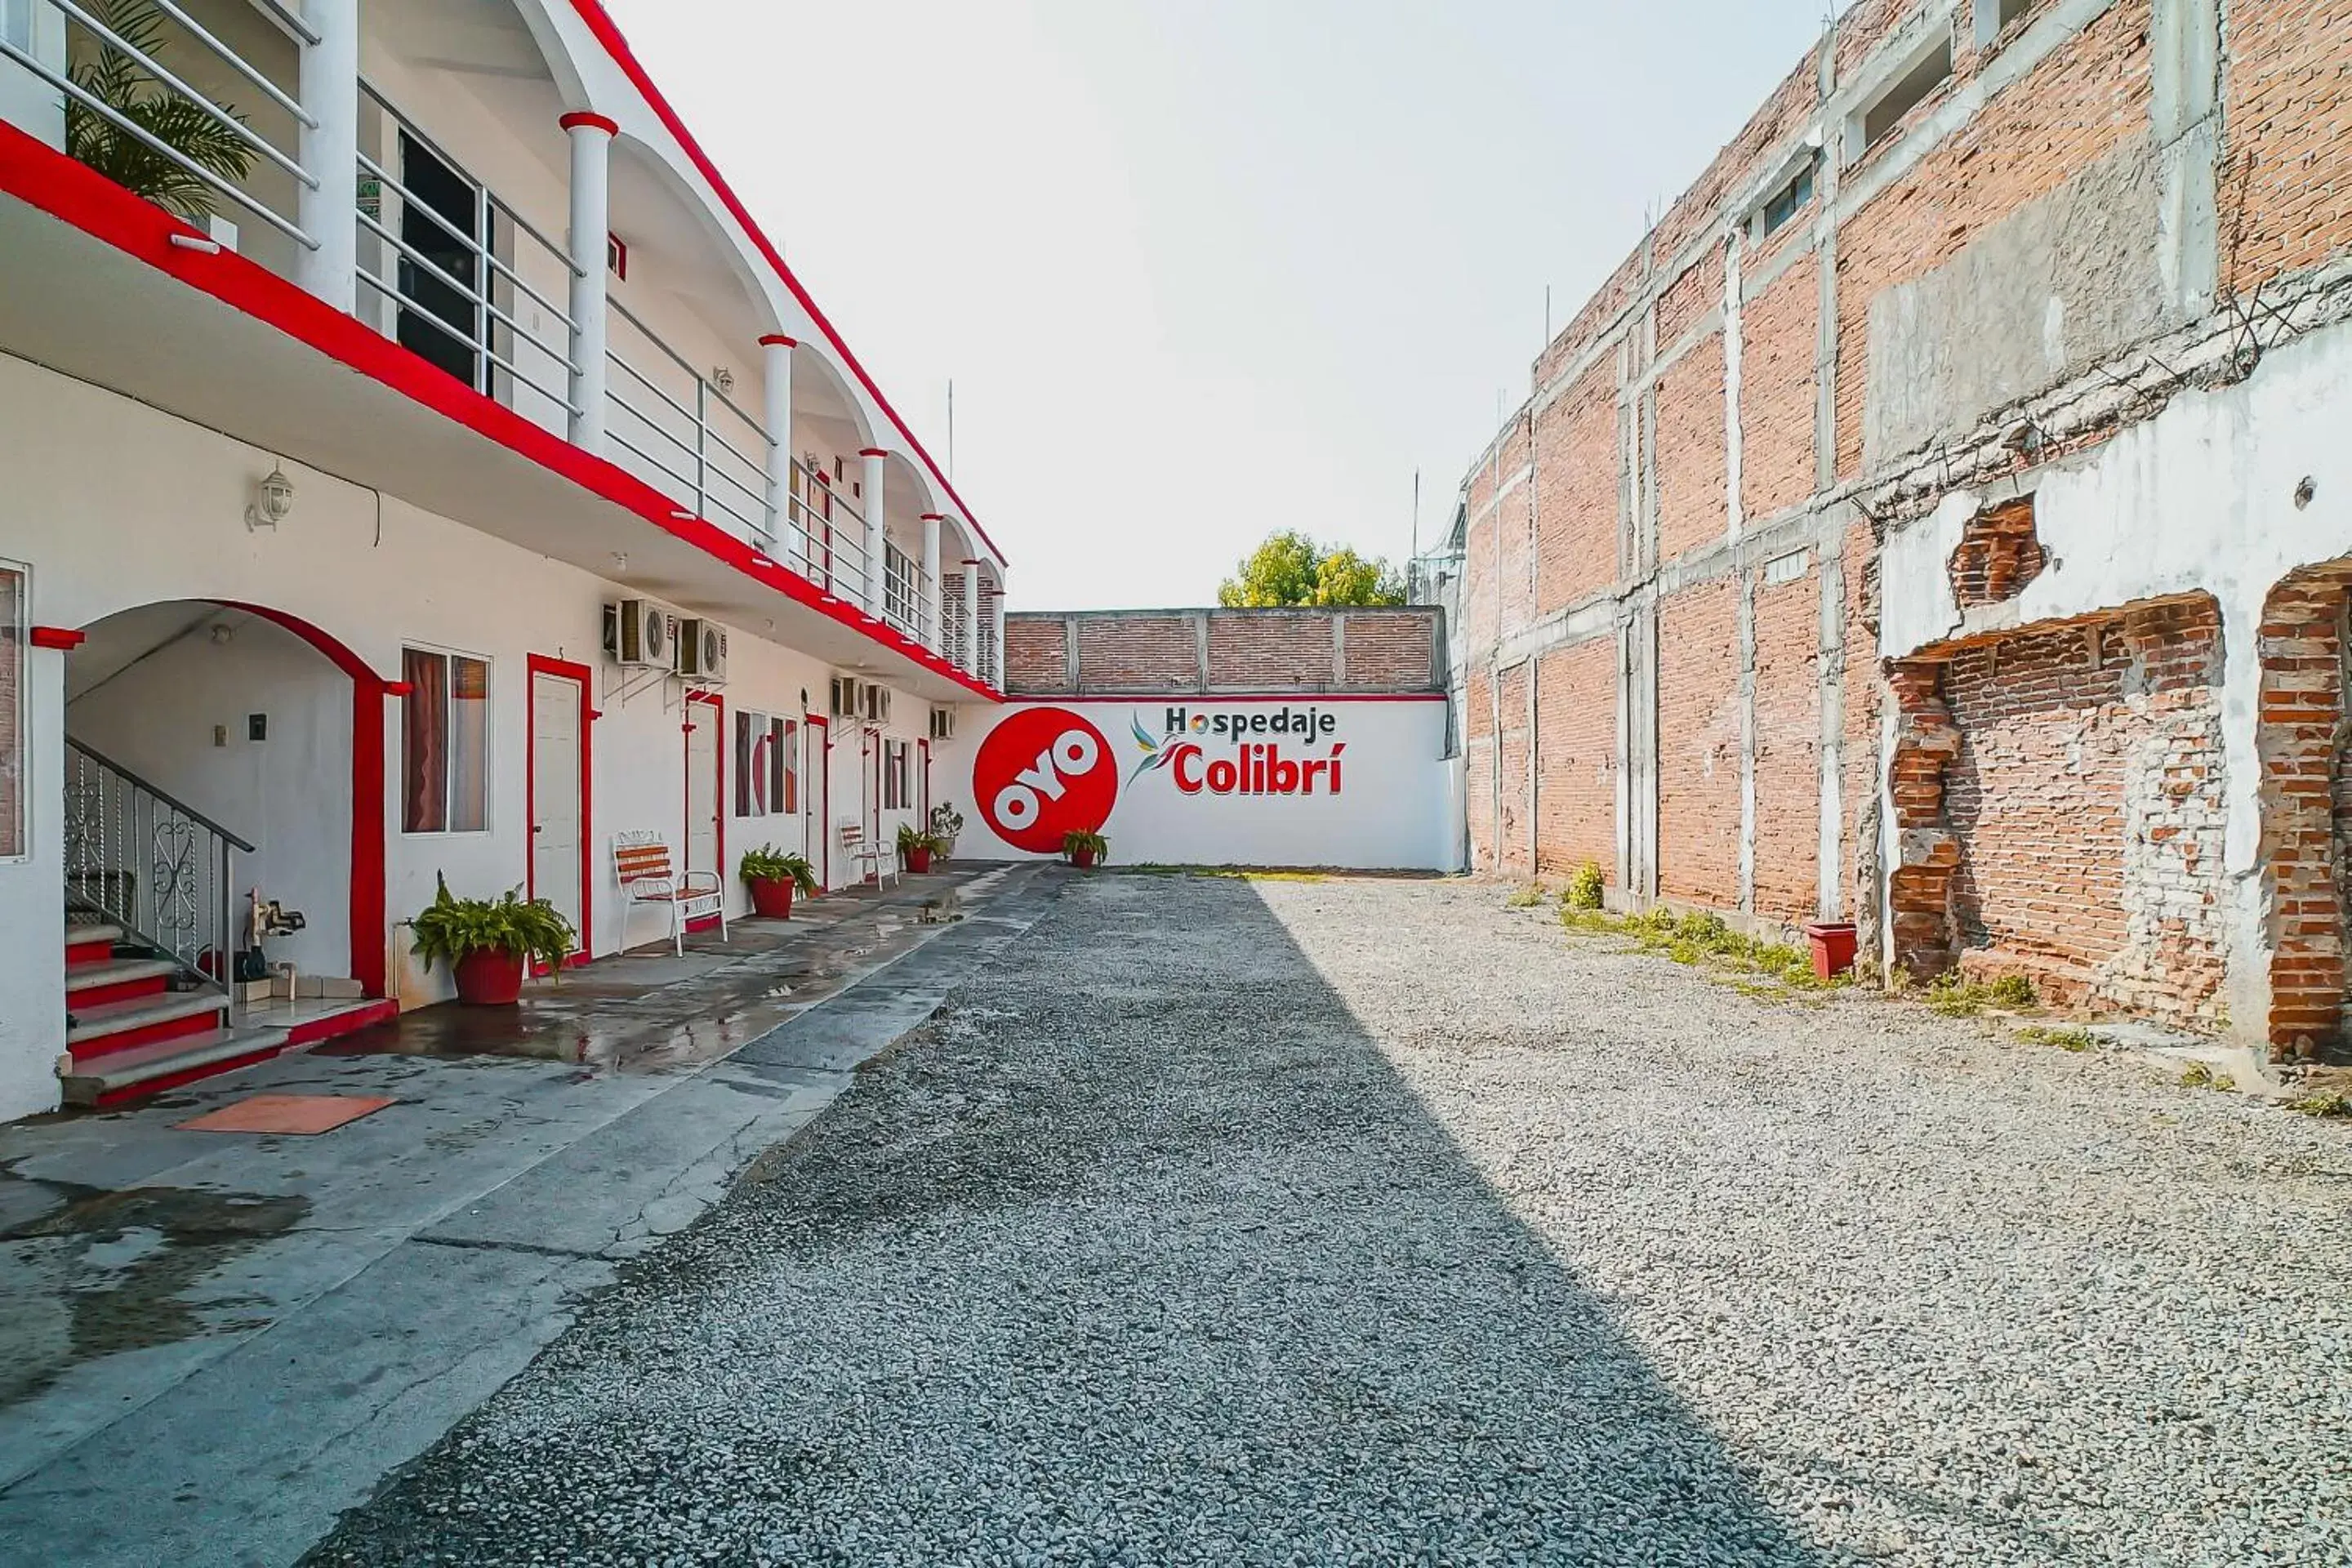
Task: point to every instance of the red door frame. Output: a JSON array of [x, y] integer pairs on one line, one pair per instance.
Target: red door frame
[[536, 665], [923, 812], [822, 785], [719, 794], [370, 898]]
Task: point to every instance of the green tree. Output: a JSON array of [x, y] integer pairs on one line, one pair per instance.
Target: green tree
[[1290, 569]]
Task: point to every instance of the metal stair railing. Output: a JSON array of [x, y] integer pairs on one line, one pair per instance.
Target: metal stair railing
[[151, 864]]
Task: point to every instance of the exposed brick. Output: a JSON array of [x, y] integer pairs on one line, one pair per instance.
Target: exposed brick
[[1788, 749], [1692, 501], [1283, 651], [1698, 746], [1778, 330], [1141, 652], [1577, 464], [1037, 654], [1575, 762], [2286, 191]]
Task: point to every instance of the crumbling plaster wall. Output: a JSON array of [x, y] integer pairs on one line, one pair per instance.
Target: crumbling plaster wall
[[2203, 498]]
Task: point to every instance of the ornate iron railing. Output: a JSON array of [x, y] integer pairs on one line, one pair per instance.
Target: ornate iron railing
[[156, 866]]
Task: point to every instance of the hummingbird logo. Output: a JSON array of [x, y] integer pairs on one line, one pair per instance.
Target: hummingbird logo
[[1155, 754]]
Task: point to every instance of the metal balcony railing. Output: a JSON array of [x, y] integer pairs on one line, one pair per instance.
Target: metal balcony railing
[[689, 438], [903, 604], [138, 64], [825, 538], [450, 270]]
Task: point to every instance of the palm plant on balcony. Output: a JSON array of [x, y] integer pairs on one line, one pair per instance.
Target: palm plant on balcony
[[195, 130]]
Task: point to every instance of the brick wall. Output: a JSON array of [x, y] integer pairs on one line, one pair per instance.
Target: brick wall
[[2085, 801], [1037, 654], [1478, 768], [1778, 330], [2304, 823], [1692, 496], [1383, 650], [2286, 188], [1576, 489], [1788, 749], [1576, 770], [1512, 848], [1699, 746]]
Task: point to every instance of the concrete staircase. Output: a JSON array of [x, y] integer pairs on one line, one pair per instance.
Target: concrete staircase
[[138, 1024]]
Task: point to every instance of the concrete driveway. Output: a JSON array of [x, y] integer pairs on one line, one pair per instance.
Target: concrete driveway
[[1366, 1222]]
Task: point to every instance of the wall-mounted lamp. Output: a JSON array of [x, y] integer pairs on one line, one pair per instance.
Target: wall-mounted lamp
[[273, 501]]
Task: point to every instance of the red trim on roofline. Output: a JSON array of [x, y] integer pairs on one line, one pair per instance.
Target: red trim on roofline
[[608, 34], [778, 340], [74, 193], [605, 122]]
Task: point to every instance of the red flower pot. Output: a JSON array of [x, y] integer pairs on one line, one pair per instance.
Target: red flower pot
[[1082, 859], [1833, 944], [488, 977], [918, 859], [771, 897]]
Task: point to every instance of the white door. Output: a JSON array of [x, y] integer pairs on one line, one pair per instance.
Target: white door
[[556, 835], [702, 787]]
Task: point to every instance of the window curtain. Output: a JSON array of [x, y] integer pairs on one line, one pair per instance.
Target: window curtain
[[425, 743]]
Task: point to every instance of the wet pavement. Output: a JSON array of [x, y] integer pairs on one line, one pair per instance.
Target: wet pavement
[[230, 1337]]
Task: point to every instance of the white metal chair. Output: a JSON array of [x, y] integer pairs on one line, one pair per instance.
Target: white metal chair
[[642, 859], [855, 848]]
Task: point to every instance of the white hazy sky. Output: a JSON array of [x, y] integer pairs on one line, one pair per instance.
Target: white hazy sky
[[1203, 269]]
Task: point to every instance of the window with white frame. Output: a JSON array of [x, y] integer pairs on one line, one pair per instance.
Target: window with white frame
[[16, 22], [445, 742], [767, 764], [12, 711]]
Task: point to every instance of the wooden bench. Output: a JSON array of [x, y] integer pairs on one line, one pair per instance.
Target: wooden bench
[[642, 862], [855, 848]]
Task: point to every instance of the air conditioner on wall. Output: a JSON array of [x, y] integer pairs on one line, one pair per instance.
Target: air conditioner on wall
[[942, 724], [877, 703], [641, 635], [702, 651], [845, 690]]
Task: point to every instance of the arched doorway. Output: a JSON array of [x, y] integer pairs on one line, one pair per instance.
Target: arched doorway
[[255, 724]]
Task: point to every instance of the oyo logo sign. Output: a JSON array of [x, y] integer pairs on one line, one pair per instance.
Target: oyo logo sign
[[1041, 773]]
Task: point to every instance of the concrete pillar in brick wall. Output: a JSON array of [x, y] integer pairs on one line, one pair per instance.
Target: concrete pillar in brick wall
[[327, 82], [592, 148], [928, 588], [996, 613], [776, 424], [876, 562]]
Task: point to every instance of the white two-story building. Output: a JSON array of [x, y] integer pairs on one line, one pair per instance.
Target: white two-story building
[[459, 481]]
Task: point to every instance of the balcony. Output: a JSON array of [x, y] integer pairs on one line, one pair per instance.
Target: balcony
[[430, 179]]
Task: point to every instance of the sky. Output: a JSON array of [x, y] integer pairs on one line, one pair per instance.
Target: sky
[[1202, 270]]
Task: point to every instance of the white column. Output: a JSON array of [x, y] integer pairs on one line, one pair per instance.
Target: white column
[[776, 414], [971, 617], [875, 564], [934, 637], [591, 226], [327, 81], [996, 615]]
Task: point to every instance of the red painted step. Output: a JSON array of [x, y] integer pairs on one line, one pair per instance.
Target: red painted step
[[90, 943], [111, 1026], [89, 985]]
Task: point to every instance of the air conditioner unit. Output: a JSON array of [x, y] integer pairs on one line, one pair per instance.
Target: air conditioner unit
[[877, 703], [702, 651], [846, 695], [943, 723], [640, 634]]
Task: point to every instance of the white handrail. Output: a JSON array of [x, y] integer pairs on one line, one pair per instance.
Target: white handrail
[[236, 61], [229, 122]]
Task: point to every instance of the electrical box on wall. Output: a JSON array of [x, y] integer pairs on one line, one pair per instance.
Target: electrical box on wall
[[256, 726]]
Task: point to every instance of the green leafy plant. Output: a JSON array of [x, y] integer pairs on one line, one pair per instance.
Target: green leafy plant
[[1953, 996], [2331, 1103], [1291, 569], [1584, 889], [769, 864], [1524, 898], [946, 820], [912, 837], [1095, 844], [450, 928], [2201, 1075], [2066, 1039], [191, 129]]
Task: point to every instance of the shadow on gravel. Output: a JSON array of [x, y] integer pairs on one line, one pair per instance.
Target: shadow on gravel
[[1146, 1256]]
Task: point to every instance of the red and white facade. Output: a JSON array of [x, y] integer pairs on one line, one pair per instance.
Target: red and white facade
[[316, 526]]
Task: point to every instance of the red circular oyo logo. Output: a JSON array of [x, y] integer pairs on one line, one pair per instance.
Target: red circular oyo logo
[[1041, 773]]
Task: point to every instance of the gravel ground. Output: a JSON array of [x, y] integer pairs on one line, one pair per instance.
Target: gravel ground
[[1367, 1222]]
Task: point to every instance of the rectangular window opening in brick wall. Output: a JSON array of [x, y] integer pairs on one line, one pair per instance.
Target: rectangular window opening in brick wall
[[1907, 92]]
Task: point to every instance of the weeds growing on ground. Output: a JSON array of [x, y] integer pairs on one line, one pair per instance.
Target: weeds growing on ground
[[2066, 1039], [2200, 1075], [1771, 969], [1524, 898], [2334, 1102], [1584, 889], [1955, 996]]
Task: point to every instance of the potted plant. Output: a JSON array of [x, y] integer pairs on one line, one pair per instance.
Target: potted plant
[[773, 877], [114, 78], [946, 823], [486, 942], [1086, 849], [915, 849]]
